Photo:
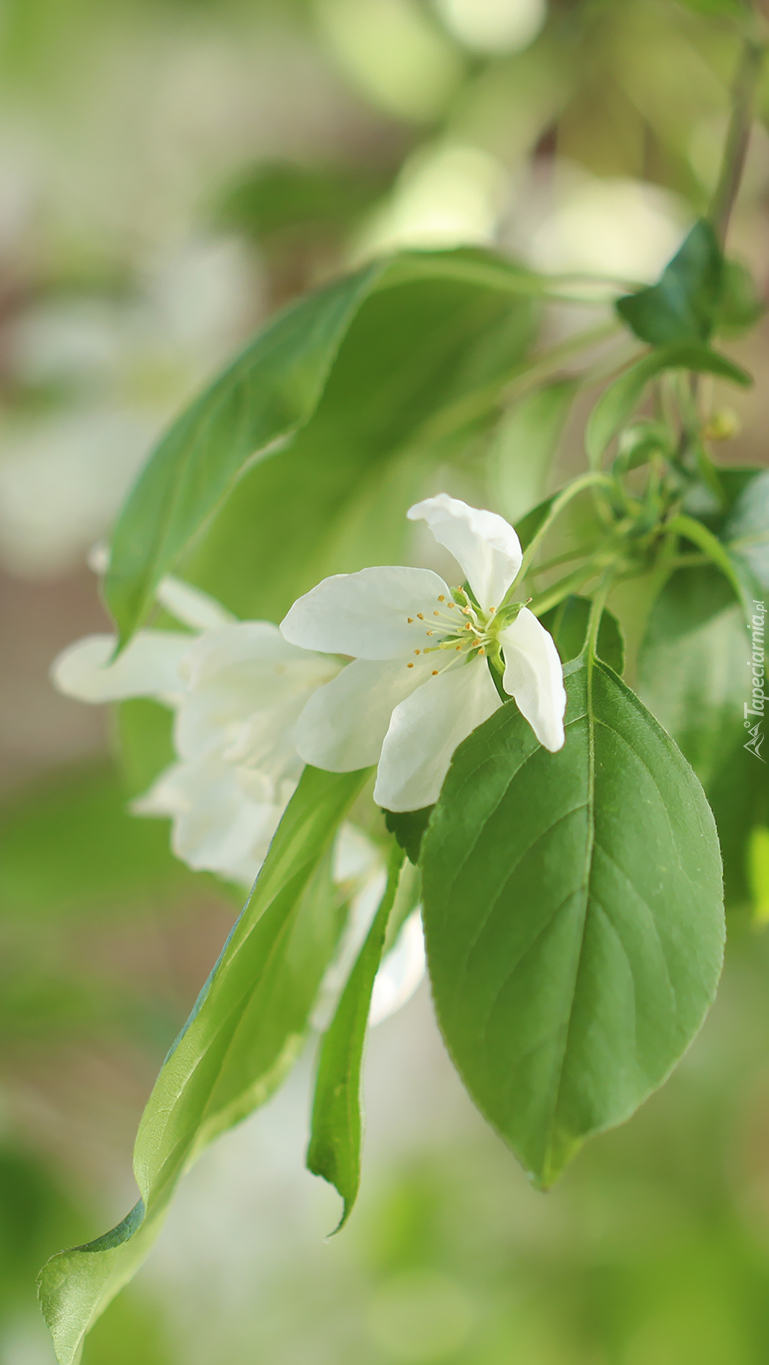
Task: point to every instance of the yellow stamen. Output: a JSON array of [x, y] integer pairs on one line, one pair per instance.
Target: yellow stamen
[[410, 620], [420, 616], [441, 597], [435, 672], [409, 665]]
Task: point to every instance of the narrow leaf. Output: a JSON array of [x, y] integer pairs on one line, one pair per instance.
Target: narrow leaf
[[574, 917], [335, 1142], [236, 1046]]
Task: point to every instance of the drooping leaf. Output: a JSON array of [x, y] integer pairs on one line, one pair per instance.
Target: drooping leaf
[[694, 675], [251, 414], [568, 623], [574, 917], [235, 1048], [525, 444], [619, 401], [335, 1142], [683, 306]]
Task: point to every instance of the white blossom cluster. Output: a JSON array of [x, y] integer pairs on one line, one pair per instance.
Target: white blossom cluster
[[385, 667]]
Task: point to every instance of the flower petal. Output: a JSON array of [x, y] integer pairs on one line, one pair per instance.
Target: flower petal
[[247, 687], [485, 545], [343, 725], [426, 729], [366, 614], [534, 676], [217, 826], [148, 667], [401, 972]]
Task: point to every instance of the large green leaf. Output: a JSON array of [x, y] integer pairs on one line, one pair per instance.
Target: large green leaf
[[693, 674], [683, 305], [335, 1142], [746, 533], [439, 336], [334, 500], [525, 444], [238, 1043], [568, 625], [574, 917]]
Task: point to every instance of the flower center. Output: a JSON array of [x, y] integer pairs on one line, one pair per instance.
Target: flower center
[[457, 627]]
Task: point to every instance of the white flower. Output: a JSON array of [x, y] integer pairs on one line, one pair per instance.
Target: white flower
[[237, 689], [419, 682]]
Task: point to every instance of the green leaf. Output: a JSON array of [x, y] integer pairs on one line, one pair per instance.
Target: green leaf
[[335, 1141], [683, 305], [693, 674], [237, 1045], [334, 500], [449, 326], [617, 403], [568, 624], [525, 444], [574, 917], [409, 827]]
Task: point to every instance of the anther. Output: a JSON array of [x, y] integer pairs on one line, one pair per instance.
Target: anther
[[417, 651], [431, 632], [410, 620], [458, 646], [481, 651], [492, 610], [441, 597], [420, 616], [409, 665], [435, 672]]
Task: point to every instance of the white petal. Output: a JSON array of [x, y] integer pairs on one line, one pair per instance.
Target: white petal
[[401, 972], [426, 729], [366, 614], [484, 544], [148, 667], [343, 725], [218, 826], [534, 676], [190, 605], [247, 687]]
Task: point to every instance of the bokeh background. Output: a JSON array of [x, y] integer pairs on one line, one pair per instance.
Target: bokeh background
[[171, 171]]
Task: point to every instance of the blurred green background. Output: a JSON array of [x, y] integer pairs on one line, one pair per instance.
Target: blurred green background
[[171, 171]]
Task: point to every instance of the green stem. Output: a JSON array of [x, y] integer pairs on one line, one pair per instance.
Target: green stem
[[738, 134], [596, 612], [591, 479], [552, 596]]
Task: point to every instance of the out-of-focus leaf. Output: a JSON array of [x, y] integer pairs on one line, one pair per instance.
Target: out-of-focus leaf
[[335, 1141], [694, 675], [281, 201], [746, 532], [529, 525], [683, 305], [439, 335], [71, 845], [568, 624], [236, 1046], [619, 401], [574, 917], [525, 444]]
